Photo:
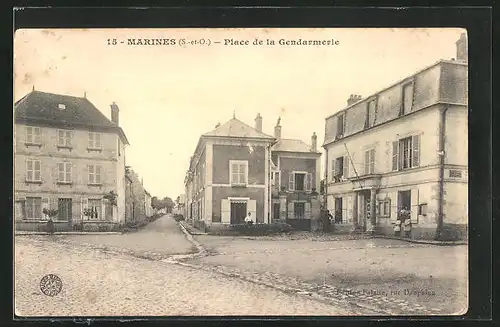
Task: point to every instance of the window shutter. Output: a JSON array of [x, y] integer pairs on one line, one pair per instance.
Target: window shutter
[[85, 204], [344, 209], [308, 181], [393, 203], [333, 170], [395, 155], [45, 205], [291, 211], [38, 135], [61, 171], [416, 150], [98, 174], [372, 161], [68, 171], [104, 203], [414, 206], [291, 181], [225, 206], [29, 170], [29, 134], [252, 208], [68, 138], [307, 210], [367, 162], [348, 207], [37, 170], [345, 173]]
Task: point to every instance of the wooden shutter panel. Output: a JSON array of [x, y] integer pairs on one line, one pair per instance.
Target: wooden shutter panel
[[349, 206], [252, 208], [393, 210], [104, 203], [308, 181], [416, 150], [291, 181], [395, 155], [345, 173], [367, 162], [334, 171], [225, 206], [291, 211], [307, 210], [414, 206]]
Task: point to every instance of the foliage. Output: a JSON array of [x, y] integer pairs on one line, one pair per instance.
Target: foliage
[[51, 213], [166, 202], [111, 197], [200, 225], [178, 217], [262, 229]]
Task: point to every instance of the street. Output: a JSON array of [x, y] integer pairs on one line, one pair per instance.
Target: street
[[241, 276]]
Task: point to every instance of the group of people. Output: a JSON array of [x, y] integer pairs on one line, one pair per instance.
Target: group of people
[[403, 223]]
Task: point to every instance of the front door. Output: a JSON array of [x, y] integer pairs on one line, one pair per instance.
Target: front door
[[404, 200], [65, 209], [238, 212], [276, 211]]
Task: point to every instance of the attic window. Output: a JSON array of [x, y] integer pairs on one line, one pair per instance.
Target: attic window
[[62, 106]]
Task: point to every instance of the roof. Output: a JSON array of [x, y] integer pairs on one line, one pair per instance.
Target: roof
[[44, 107], [236, 128], [292, 145]]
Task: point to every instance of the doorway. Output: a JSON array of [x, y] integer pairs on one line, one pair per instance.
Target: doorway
[[276, 211], [238, 212], [404, 200], [65, 209]]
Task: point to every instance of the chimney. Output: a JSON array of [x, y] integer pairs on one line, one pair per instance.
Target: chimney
[[314, 142], [258, 123], [353, 99], [277, 129], [115, 113], [462, 47]]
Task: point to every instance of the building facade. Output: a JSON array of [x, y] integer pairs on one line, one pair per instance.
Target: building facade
[[147, 204], [231, 171], [404, 147], [136, 204], [295, 180], [68, 157]]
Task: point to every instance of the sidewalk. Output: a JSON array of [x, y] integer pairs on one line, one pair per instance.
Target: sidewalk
[[66, 233], [431, 242]]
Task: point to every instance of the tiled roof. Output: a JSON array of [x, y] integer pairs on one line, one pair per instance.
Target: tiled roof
[[291, 145], [237, 128], [44, 107]]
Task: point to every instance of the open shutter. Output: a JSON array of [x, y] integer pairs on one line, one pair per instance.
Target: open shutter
[[104, 203], [344, 209], [308, 181], [395, 155], [291, 181], [367, 162], [85, 204], [414, 206], [225, 207], [252, 208], [307, 214], [333, 170], [416, 150], [372, 161], [349, 206], [393, 210], [291, 211], [45, 205], [345, 173]]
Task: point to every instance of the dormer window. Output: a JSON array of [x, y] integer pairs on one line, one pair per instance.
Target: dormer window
[[62, 106]]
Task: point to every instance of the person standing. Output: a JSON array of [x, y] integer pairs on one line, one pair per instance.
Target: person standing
[[248, 219], [327, 218]]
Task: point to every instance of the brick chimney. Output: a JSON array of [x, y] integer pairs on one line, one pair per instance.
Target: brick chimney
[[277, 129], [258, 123], [115, 113], [314, 142], [353, 99], [462, 47]]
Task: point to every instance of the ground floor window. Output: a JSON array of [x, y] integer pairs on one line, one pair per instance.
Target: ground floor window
[[337, 215], [299, 210], [65, 209], [422, 209], [33, 208], [94, 207], [276, 211], [384, 208]]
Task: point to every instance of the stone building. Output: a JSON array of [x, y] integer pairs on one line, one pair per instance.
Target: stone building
[[403, 147], [68, 156], [136, 204]]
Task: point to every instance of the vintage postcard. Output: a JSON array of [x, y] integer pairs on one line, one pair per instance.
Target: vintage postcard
[[231, 172]]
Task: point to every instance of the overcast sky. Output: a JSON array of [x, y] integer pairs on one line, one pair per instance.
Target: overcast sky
[[169, 95]]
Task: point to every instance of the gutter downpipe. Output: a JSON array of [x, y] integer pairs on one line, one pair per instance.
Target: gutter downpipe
[[441, 153]]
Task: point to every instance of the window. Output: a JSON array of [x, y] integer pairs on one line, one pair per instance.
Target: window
[[340, 168], [370, 161], [406, 153], [95, 208], [33, 135], [338, 213], [300, 181], [422, 209], [95, 174], [407, 98], [94, 140], [299, 210], [340, 125], [33, 208], [370, 113], [64, 138], [238, 172], [455, 173], [384, 208], [64, 172], [33, 171]]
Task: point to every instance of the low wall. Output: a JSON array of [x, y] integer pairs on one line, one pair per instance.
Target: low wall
[[41, 226], [300, 224]]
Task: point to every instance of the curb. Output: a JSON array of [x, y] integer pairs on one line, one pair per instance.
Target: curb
[[431, 242], [201, 250], [197, 233], [67, 233]]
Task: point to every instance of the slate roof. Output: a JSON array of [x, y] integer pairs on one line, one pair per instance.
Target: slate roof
[[292, 145], [236, 128], [43, 107]]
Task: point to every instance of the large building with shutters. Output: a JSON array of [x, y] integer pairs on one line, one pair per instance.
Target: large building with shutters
[[235, 170], [69, 157], [403, 147]]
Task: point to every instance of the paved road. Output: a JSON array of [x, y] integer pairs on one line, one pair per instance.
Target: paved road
[[96, 284], [161, 236]]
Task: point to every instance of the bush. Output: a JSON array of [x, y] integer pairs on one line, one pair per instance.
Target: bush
[[178, 217], [200, 225], [262, 229]]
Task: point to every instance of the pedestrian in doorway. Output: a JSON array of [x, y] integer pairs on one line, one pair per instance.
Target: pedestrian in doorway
[[327, 221], [407, 227], [248, 219], [397, 227], [405, 217]]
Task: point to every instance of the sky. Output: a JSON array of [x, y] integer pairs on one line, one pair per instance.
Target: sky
[[169, 95]]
